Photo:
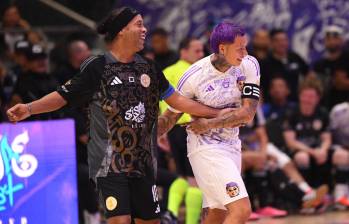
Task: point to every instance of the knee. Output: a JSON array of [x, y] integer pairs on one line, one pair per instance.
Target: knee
[[302, 159], [340, 158], [242, 214]]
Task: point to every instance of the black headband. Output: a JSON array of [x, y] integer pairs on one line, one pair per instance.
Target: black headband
[[120, 21]]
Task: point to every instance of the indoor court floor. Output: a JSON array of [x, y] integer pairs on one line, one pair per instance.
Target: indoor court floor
[[325, 218]]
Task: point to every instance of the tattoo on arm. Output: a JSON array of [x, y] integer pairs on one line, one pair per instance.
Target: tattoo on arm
[[237, 117], [166, 121]]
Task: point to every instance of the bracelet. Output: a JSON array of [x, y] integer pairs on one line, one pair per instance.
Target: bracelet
[[29, 107]]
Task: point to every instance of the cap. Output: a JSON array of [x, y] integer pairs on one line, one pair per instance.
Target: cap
[[22, 46], [333, 30], [36, 51]]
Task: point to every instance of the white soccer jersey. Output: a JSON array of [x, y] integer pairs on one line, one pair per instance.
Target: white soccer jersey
[[205, 84], [339, 124]]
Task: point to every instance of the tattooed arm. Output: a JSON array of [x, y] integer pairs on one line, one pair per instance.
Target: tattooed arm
[[166, 121], [232, 118]]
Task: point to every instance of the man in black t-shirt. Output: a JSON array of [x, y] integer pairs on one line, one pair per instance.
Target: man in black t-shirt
[[123, 90], [307, 134], [332, 69], [282, 62]]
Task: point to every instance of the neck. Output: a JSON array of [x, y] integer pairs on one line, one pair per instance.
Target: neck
[[333, 56], [280, 102], [279, 55], [121, 53], [219, 62], [307, 111], [75, 64]]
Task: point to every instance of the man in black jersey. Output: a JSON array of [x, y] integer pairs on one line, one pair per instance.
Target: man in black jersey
[[307, 135], [123, 90]]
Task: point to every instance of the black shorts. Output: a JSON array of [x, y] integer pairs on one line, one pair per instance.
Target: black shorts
[[178, 141], [135, 196]]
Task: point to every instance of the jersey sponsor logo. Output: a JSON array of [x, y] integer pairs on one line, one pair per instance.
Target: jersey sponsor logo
[[145, 80], [232, 189], [111, 203], [136, 113], [116, 81]]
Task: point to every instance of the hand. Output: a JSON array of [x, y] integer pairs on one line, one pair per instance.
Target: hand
[[18, 112], [199, 126], [225, 111], [320, 156]]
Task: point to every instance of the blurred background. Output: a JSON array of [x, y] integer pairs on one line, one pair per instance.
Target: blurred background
[[302, 49]]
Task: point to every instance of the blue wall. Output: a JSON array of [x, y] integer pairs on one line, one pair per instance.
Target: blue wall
[[303, 19]]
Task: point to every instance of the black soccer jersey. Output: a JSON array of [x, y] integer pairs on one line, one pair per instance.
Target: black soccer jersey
[[123, 102], [308, 129]]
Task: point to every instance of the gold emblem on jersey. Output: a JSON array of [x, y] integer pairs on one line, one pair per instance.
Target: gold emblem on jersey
[[145, 80], [111, 203]]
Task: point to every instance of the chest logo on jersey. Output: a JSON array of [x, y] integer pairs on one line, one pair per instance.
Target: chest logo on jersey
[[209, 89], [136, 113], [145, 80], [115, 81]]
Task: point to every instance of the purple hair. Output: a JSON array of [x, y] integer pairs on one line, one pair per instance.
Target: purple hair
[[225, 32]]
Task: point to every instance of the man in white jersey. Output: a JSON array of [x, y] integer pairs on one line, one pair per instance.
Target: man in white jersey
[[229, 78]]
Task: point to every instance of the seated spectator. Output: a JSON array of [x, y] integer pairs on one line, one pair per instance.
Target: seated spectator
[[36, 82], [282, 62], [279, 102], [307, 136], [339, 124], [265, 159], [274, 110], [331, 69], [163, 55]]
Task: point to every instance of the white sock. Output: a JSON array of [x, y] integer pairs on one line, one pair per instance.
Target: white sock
[[340, 190], [304, 186]]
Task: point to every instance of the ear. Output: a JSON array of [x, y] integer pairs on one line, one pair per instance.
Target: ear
[[221, 49]]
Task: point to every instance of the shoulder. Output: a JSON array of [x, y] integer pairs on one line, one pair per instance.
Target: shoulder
[[249, 62], [92, 61]]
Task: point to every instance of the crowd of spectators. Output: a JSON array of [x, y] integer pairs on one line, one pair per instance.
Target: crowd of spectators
[[299, 136]]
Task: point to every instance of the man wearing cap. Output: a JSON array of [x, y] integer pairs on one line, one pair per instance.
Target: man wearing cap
[[123, 90], [35, 82], [332, 69]]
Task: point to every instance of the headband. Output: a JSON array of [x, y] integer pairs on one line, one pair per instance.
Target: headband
[[120, 21]]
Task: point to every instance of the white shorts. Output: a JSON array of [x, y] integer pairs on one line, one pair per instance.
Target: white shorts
[[281, 157], [218, 174]]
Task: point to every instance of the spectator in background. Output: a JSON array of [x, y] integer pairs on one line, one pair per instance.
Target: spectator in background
[[260, 45], [339, 124], [36, 82], [306, 132], [163, 55], [265, 160], [282, 62], [15, 29], [77, 51], [185, 188], [332, 69], [275, 109]]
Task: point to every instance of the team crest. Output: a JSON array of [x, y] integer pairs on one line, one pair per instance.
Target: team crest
[[111, 203], [232, 189], [317, 125], [240, 82], [145, 80]]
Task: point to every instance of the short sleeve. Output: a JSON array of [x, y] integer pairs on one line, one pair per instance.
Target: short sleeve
[[80, 89], [251, 77], [185, 86], [289, 122], [165, 88], [250, 69]]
